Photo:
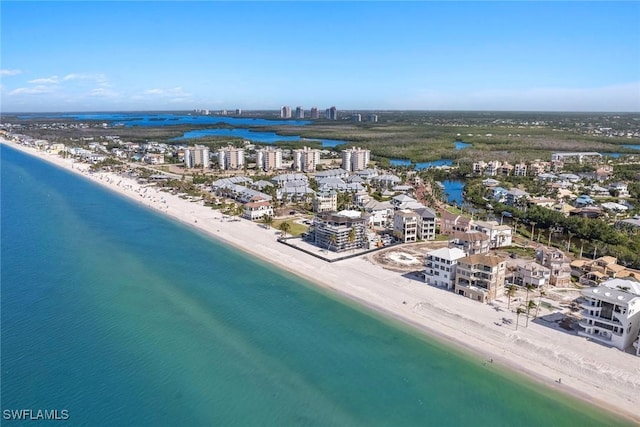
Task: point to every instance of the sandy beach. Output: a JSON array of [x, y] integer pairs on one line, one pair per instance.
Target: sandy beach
[[600, 375]]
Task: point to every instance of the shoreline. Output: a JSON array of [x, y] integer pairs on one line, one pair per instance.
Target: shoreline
[[592, 373]]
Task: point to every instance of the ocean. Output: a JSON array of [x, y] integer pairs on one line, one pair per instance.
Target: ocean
[[120, 316]]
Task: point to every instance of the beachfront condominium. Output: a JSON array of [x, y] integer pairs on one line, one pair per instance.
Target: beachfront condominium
[[285, 112], [315, 114], [440, 266], [372, 118], [355, 159], [340, 231], [480, 277], [196, 157], [230, 158], [611, 313], [299, 113], [306, 159], [269, 158]]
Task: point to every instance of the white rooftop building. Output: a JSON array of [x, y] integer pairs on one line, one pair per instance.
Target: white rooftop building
[[611, 313], [440, 266]]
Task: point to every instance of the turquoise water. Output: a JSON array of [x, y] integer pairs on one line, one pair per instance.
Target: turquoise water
[[123, 317]]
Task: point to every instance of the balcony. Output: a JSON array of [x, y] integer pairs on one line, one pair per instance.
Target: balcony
[[596, 309], [584, 323]]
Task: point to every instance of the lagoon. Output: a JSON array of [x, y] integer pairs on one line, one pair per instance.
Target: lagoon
[[255, 136]]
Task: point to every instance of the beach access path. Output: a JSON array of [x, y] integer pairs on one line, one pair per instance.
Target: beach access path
[[597, 374]]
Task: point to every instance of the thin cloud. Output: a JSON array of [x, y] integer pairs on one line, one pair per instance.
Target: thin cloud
[[35, 90], [46, 80], [104, 93], [7, 72], [176, 92], [154, 92]]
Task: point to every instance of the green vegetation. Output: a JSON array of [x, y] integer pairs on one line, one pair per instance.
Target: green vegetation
[[289, 227]]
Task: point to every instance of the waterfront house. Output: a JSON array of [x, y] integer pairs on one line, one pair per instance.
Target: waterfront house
[[405, 225], [499, 235], [257, 210], [471, 242], [480, 277], [611, 313], [451, 223], [440, 266], [531, 274], [558, 263]]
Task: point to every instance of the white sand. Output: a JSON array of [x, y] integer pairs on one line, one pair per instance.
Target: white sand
[[600, 375]]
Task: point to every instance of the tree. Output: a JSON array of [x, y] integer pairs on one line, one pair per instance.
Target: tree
[[528, 287], [531, 304], [352, 236], [332, 241], [519, 311], [267, 220], [542, 293], [510, 292], [284, 228]]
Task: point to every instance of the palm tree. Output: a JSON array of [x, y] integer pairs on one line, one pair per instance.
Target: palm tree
[[267, 220], [332, 241], [530, 305], [528, 287], [542, 293], [533, 226], [238, 211], [284, 228], [519, 311], [352, 236], [510, 292]]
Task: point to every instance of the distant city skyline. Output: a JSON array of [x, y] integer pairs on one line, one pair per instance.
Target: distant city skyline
[[494, 56]]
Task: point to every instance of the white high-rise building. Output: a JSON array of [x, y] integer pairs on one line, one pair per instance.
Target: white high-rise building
[[197, 156], [315, 114], [285, 112], [355, 159], [230, 158], [306, 159], [299, 113], [269, 158]]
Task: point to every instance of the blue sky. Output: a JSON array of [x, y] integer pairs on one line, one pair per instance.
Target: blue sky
[[543, 56]]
